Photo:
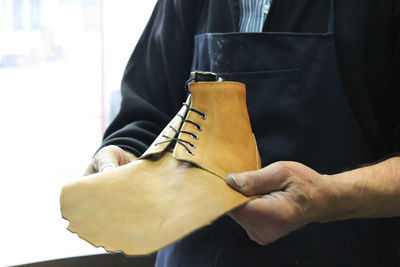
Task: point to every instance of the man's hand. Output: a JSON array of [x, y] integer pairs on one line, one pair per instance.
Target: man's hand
[[108, 158], [293, 195]]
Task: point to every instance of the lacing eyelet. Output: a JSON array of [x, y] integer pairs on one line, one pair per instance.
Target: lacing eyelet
[[190, 152], [192, 145], [177, 137]]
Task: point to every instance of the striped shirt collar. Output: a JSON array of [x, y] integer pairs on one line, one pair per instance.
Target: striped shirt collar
[[253, 14]]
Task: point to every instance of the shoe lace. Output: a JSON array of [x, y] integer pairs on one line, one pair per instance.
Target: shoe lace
[[186, 144], [195, 76]]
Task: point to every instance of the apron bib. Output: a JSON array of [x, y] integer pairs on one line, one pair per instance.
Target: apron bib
[[298, 112]]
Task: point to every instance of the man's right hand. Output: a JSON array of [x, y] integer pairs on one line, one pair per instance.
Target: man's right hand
[[108, 158]]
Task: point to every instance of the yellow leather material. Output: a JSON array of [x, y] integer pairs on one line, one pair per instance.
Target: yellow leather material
[[158, 145], [154, 201], [146, 205], [226, 142]]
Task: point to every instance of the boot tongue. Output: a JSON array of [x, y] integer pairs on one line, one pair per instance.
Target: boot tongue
[[199, 76]]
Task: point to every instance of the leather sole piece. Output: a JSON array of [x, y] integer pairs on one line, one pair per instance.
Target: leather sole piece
[[146, 205]]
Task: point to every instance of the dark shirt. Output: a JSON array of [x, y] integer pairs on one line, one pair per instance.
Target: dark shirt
[[367, 46]]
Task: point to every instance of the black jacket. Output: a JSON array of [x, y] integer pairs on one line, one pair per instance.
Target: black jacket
[[368, 51]]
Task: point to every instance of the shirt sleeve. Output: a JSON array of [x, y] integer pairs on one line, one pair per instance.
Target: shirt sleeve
[[153, 82]]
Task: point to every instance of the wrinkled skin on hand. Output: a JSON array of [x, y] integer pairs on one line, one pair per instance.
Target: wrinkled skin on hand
[[292, 195]]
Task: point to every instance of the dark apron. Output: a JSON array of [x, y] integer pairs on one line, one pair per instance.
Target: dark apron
[[298, 112]]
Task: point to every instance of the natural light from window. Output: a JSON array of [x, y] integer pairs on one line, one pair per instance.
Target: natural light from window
[[61, 62]]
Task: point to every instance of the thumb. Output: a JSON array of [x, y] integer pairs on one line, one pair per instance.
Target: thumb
[[272, 178]]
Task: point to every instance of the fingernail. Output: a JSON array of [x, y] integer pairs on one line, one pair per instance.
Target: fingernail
[[237, 179], [108, 167]]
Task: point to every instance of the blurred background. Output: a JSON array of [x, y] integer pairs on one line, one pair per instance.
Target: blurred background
[[61, 63]]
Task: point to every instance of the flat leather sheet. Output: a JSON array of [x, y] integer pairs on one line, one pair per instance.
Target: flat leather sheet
[[146, 205]]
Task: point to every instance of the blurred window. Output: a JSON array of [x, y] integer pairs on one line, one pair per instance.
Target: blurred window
[[17, 6], [61, 63], [35, 15]]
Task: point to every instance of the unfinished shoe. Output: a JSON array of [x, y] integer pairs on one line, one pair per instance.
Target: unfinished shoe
[[178, 185]]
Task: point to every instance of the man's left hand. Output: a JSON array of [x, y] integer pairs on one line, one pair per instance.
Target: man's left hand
[[292, 195]]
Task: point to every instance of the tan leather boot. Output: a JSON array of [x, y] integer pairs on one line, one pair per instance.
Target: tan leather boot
[[178, 185]]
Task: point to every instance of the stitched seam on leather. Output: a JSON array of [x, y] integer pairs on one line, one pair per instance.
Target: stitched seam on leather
[[212, 97]]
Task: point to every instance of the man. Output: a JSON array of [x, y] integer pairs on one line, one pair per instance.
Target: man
[[323, 93]]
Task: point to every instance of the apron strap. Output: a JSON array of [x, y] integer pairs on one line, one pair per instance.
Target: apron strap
[[331, 22]]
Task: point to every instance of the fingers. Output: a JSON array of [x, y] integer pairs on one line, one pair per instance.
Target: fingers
[[273, 207], [89, 170], [257, 238], [272, 178], [108, 158], [245, 214], [265, 219], [291, 198]]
